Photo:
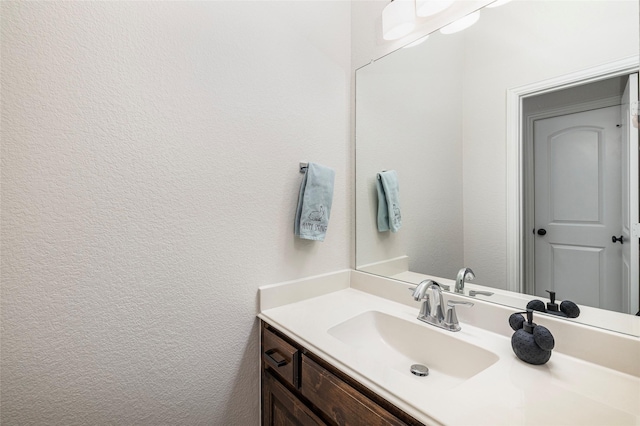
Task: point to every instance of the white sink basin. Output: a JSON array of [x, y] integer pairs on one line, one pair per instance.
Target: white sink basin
[[392, 342]]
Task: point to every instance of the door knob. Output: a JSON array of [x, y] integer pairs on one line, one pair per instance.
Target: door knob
[[542, 232], [619, 239]]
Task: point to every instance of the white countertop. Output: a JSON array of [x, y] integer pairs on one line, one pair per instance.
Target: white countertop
[[564, 391]]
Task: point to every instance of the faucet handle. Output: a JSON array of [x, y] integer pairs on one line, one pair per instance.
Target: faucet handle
[[453, 303], [451, 319], [482, 293]]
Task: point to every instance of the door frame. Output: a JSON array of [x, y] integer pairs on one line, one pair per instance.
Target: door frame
[[515, 171]]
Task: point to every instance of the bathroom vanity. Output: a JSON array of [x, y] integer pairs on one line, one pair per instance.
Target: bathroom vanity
[[337, 349]]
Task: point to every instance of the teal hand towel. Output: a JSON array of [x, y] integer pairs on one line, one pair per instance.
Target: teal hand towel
[[389, 217], [314, 202], [383, 210]]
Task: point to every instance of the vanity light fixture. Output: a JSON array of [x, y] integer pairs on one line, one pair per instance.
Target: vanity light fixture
[[431, 7], [398, 19], [461, 23]]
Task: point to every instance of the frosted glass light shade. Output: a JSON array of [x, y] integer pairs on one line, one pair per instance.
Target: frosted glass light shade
[[431, 7], [461, 23], [398, 19]]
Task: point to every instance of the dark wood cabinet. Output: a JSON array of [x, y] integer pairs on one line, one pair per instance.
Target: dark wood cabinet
[[299, 388], [281, 408]]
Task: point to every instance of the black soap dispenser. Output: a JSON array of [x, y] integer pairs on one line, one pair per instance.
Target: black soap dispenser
[[552, 306], [566, 309], [531, 343]]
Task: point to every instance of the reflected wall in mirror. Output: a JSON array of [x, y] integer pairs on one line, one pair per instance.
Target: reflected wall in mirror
[[437, 113]]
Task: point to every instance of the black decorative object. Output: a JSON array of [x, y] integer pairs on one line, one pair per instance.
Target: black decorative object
[[537, 305], [531, 343], [570, 309], [567, 309], [516, 321]]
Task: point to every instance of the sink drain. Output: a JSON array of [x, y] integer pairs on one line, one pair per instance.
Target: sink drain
[[420, 370]]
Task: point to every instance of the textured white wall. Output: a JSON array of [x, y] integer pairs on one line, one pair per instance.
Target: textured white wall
[[149, 181]]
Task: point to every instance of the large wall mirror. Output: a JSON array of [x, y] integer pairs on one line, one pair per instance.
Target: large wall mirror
[[513, 142]]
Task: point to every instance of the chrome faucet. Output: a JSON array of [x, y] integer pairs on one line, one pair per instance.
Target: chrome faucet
[[464, 274], [431, 310]]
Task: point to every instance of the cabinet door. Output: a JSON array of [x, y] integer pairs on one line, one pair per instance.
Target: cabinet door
[[339, 401], [281, 408]]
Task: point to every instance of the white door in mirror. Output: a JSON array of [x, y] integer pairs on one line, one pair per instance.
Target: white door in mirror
[[577, 161]]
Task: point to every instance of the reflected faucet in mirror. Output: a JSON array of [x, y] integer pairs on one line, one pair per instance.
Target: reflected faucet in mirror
[[464, 274]]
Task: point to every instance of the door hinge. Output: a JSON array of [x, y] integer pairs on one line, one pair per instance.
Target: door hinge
[[635, 230]]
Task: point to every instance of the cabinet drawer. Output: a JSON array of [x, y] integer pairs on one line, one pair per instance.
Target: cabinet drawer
[[281, 357], [342, 403]]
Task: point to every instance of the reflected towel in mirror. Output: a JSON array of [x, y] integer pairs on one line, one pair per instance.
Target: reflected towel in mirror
[[389, 217], [314, 202]]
